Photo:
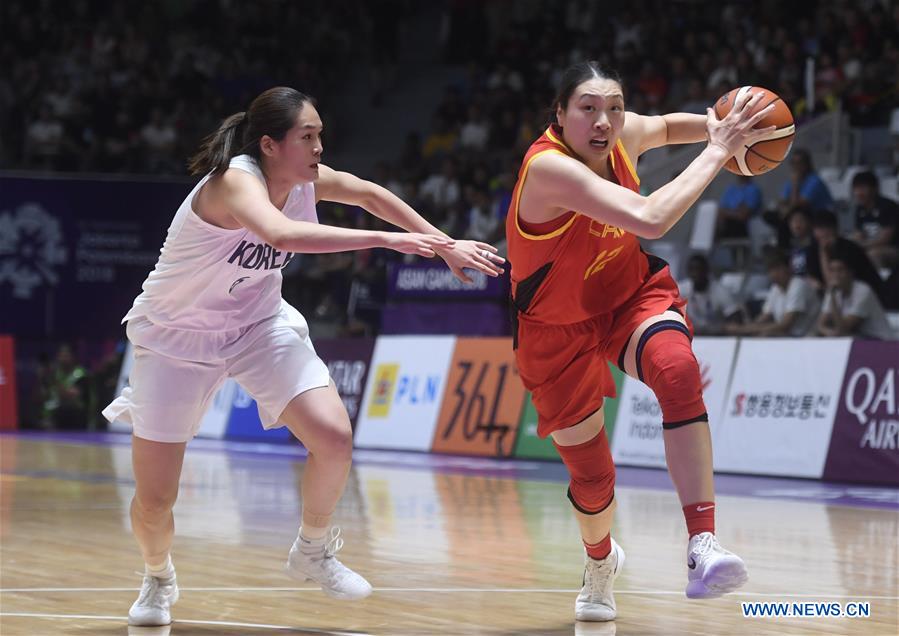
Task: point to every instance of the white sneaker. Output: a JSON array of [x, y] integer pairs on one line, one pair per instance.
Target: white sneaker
[[596, 601], [153, 606], [321, 566], [712, 570]]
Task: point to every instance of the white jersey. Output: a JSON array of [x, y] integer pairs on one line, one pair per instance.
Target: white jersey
[[211, 284]]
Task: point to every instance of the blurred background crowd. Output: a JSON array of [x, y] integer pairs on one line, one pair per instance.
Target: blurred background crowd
[[438, 102]]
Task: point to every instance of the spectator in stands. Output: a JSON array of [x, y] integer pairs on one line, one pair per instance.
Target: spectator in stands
[[709, 303], [442, 139], [741, 201], [802, 241], [851, 308], [158, 136], [482, 219], [44, 140], [804, 189], [696, 101], [443, 188], [790, 308], [826, 238], [476, 131], [876, 221], [66, 392]]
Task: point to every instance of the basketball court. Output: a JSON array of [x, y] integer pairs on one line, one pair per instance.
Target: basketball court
[[452, 545]]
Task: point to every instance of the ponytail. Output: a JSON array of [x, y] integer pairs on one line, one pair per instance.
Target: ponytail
[[272, 113], [217, 150]]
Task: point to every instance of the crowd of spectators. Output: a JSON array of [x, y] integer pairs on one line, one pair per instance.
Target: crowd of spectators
[[99, 86], [822, 281], [102, 87]]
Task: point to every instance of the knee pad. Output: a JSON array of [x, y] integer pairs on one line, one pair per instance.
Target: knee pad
[[592, 485], [666, 364]]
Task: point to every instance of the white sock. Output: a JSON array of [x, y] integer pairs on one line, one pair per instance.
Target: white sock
[[311, 537], [164, 571]]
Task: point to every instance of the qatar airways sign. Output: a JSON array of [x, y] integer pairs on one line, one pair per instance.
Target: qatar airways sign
[[864, 445]]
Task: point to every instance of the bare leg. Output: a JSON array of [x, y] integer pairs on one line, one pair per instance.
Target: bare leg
[[688, 451], [319, 419], [157, 470]]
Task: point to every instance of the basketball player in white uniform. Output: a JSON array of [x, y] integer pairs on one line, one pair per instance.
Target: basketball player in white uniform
[[212, 309]]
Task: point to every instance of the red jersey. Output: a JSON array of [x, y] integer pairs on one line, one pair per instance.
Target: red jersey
[[572, 268]]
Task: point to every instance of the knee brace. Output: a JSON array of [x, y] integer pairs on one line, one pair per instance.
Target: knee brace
[[666, 364], [592, 485]]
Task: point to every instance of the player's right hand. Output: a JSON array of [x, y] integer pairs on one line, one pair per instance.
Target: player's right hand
[[414, 243], [737, 128]]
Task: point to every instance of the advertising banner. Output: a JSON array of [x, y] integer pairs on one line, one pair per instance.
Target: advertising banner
[[348, 363], [482, 404], [73, 252], [864, 445], [427, 280], [781, 406], [9, 411], [404, 392], [529, 446], [638, 437]]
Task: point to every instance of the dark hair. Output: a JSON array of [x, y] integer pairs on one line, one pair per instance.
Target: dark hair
[[577, 74], [799, 209], [865, 178], [804, 156], [272, 113], [825, 218], [776, 258], [837, 252]]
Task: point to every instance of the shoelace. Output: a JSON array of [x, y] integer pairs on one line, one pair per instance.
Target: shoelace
[[149, 591], [705, 545], [596, 578], [335, 543]]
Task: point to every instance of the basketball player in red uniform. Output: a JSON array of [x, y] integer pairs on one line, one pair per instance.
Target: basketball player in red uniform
[[584, 293]]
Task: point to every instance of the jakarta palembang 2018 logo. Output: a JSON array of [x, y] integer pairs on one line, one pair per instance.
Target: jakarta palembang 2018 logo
[[31, 249]]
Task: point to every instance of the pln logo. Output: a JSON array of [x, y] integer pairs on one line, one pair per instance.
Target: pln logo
[[382, 390]]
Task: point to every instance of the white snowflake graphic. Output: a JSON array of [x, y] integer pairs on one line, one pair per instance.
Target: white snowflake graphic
[[31, 249]]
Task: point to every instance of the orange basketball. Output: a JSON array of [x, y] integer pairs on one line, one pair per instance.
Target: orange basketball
[[767, 153]]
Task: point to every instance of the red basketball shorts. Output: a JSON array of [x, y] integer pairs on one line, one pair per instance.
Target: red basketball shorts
[[565, 367]]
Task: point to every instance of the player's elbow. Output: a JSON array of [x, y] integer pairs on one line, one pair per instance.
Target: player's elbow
[[655, 230], [654, 224], [279, 239]]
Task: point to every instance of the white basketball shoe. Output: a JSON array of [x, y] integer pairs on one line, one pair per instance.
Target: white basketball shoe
[[316, 562], [596, 601], [712, 570], [153, 606]]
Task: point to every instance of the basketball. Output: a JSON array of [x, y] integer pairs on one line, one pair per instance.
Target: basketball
[[770, 151]]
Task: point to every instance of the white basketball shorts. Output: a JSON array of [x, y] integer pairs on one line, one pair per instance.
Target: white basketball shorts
[[167, 396]]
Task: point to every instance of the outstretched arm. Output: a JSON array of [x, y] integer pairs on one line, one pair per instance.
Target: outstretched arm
[[347, 188], [245, 198]]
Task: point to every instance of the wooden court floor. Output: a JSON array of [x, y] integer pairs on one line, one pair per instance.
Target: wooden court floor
[[462, 547]]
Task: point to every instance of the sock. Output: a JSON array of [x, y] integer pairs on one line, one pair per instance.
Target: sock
[[700, 517], [601, 550], [164, 571], [311, 538]]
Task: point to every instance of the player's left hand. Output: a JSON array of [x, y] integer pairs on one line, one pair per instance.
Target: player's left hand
[[472, 255]]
